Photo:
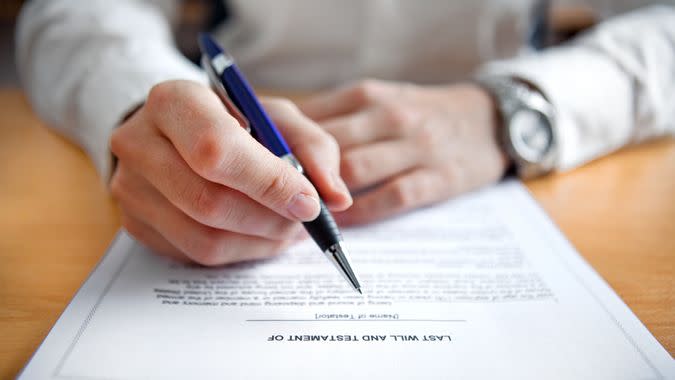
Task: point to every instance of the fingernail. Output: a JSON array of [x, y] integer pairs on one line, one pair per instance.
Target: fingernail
[[304, 207]]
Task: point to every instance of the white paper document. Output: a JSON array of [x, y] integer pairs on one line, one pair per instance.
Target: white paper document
[[481, 287]]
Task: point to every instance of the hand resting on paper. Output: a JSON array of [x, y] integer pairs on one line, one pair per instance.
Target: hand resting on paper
[[405, 146]]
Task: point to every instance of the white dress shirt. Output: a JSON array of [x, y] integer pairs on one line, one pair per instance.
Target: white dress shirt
[[85, 64]]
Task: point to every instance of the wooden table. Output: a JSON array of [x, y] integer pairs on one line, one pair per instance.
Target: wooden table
[[56, 220]]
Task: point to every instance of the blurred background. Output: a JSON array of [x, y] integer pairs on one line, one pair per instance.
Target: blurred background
[[9, 9], [565, 22], [566, 19]]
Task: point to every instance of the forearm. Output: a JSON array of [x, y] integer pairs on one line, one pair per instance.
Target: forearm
[[86, 64], [611, 87]]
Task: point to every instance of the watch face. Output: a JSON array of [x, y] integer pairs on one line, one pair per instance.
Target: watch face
[[531, 135]]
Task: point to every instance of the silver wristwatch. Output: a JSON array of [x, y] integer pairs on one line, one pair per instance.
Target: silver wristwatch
[[528, 134]]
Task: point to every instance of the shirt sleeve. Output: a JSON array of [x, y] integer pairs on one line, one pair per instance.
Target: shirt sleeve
[[611, 87], [85, 64]]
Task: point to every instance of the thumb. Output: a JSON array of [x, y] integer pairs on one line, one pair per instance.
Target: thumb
[[317, 151]]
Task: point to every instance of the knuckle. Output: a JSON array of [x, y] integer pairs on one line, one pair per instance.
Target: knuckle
[[453, 175], [273, 227], [281, 105], [216, 208], [403, 194], [207, 204], [276, 250], [233, 166], [397, 117], [190, 97], [208, 247], [322, 141], [328, 141], [367, 90], [284, 229], [159, 96], [275, 188], [425, 137], [352, 168], [208, 153], [196, 102]]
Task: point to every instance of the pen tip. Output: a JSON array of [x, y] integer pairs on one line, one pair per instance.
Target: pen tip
[[337, 254]]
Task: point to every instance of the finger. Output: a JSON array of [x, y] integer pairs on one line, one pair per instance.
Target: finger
[[209, 246], [344, 100], [216, 147], [417, 188], [371, 164], [370, 125], [315, 149], [157, 162], [152, 239], [200, 243]]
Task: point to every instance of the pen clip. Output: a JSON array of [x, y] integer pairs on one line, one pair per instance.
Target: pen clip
[[222, 94]]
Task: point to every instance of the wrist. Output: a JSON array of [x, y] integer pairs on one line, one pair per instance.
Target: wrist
[[113, 158], [494, 119]]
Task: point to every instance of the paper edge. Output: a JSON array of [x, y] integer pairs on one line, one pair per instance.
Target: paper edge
[[76, 310]]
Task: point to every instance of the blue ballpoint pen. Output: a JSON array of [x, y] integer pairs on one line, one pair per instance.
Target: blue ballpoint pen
[[239, 99]]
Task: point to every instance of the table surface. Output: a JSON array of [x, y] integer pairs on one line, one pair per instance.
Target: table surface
[[56, 220]]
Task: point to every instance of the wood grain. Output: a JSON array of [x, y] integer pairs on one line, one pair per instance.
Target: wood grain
[[56, 220]]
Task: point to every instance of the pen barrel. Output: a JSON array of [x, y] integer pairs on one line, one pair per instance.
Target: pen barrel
[[323, 229]]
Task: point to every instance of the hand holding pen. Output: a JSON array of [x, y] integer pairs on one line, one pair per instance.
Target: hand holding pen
[[194, 185], [240, 99]]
